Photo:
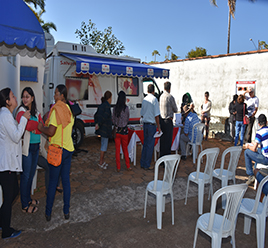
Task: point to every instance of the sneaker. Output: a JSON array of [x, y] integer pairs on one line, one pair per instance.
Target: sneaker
[[251, 179], [13, 235]]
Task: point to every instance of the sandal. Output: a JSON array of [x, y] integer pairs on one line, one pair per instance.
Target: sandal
[[103, 166], [28, 209], [34, 202]]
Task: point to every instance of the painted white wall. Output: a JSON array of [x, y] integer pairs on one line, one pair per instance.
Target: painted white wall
[[218, 75]]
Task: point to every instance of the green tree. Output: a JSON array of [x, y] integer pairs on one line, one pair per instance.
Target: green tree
[[168, 50], [262, 45], [39, 3], [154, 53], [102, 41], [198, 52], [231, 5], [174, 56], [45, 25]]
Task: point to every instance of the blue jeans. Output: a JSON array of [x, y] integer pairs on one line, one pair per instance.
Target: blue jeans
[[259, 177], [148, 145], [257, 157], [62, 170], [29, 164], [239, 126]]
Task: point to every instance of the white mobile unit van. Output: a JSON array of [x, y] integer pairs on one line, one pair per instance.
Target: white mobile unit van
[[88, 75]]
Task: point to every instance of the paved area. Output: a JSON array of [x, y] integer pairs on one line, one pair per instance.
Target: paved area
[[107, 207]]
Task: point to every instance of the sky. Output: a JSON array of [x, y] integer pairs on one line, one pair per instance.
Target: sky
[[147, 25]]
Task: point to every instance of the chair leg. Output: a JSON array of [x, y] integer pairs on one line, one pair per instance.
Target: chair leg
[[188, 182], [172, 206], [34, 182], [224, 183], [194, 153], [145, 203], [200, 197], [195, 235], [159, 210], [163, 203], [247, 224], [260, 231]]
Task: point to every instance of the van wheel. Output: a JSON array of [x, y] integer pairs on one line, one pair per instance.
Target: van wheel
[[78, 134]]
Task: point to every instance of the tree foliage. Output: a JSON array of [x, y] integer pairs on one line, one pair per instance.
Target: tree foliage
[[102, 41], [198, 52], [263, 45], [168, 50], [174, 56], [39, 3], [154, 53]]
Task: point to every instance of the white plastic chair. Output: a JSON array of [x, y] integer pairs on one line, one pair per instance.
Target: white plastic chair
[[162, 188], [228, 174], [202, 178], [197, 138], [34, 183], [222, 226], [258, 210]]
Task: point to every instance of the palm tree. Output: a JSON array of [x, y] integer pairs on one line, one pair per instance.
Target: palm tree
[[154, 53], [168, 50], [45, 25], [39, 3], [232, 5]]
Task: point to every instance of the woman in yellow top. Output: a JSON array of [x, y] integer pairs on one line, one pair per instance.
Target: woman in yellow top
[[59, 127]]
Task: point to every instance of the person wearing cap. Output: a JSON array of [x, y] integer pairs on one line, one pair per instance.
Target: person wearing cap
[[252, 106], [168, 107], [150, 115], [255, 153], [190, 120]]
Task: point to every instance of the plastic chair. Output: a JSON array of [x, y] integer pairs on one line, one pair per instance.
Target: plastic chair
[[197, 138], [202, 178], [34, 183], [222, 226], [162, 188], [258, 210], [229, 174]]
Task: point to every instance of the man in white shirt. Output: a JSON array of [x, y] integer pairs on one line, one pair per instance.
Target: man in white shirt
[[252, 107], [150, 114]]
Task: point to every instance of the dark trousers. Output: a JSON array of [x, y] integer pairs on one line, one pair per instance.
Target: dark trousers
[[10, 188], [166, 138], [248, 131]]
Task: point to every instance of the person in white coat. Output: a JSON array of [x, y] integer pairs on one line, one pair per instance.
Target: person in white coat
[[10, 157]]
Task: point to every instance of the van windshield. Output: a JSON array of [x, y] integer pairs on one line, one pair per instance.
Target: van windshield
[[146, 82]]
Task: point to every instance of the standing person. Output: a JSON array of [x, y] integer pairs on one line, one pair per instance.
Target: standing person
[[232, 116], [30, 149], [253, 105], [191, 118], [120, 120], [10, 157], [255, 153], [240, 112], [167, 109], [150, 114], [205, 113], [59, 127], [103, 125]]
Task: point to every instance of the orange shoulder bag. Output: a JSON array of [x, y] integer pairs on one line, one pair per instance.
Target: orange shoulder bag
[[54, 153]]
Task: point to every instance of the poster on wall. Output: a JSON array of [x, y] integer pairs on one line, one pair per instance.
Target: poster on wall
[[242, 86]]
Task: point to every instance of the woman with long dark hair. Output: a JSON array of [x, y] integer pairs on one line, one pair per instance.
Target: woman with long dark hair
[[59, 126], [103, 125], [30, 149], [10, 157], [120, 120], [240, 112]]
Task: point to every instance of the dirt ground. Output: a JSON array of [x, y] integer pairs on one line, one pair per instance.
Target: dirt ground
[[107, 207]]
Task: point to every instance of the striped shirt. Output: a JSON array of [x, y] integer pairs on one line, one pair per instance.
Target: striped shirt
[[190, 120], [167, 105], [262, 139]]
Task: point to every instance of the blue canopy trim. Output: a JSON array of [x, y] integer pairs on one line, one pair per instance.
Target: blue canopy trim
[[20, 31], [90, 65]]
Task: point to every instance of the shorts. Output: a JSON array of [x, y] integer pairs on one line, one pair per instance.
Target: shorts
[[104, 144]]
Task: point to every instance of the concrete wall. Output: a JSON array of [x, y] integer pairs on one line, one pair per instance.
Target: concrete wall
[[218, 75]]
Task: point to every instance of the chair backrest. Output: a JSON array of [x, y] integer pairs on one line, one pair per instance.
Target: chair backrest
[[212, 155], [234, 194], [235, 152], [197, 133], [171, 163], [258, 195]]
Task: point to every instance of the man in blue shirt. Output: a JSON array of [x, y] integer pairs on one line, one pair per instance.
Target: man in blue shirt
[[190, 119], [150, 114], [253, 153]]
